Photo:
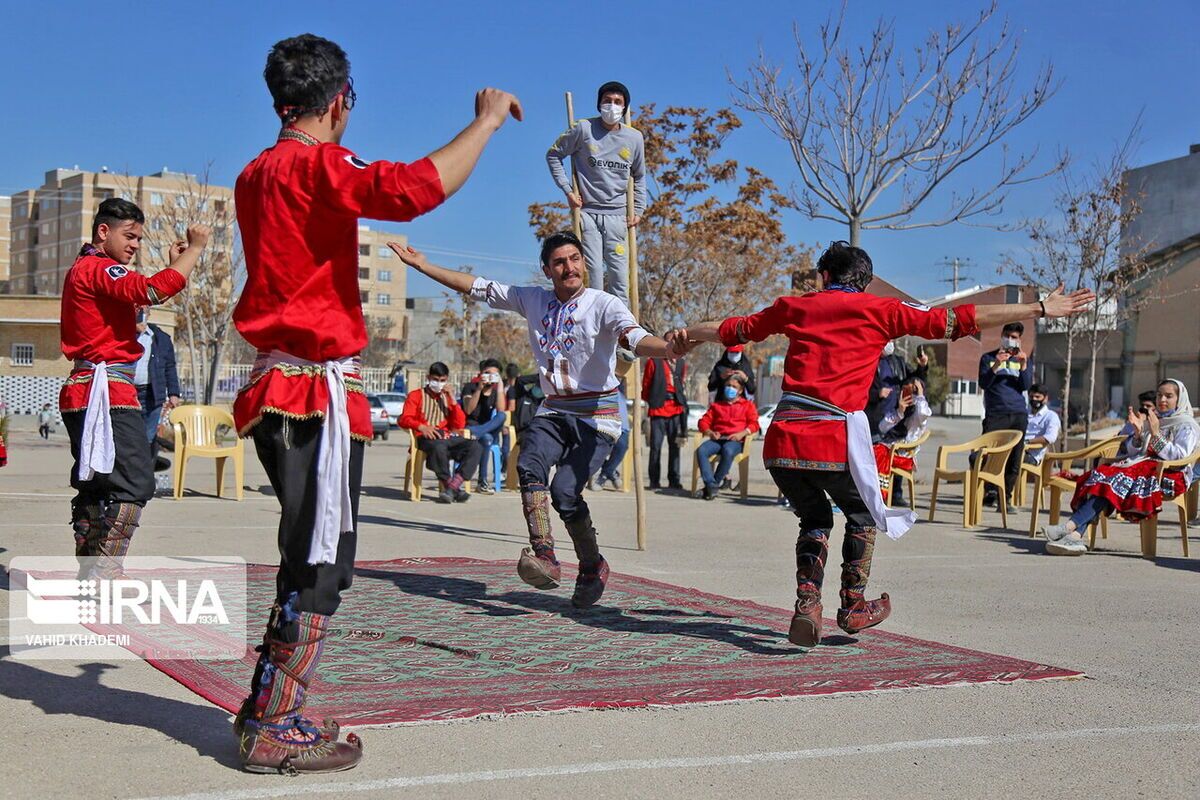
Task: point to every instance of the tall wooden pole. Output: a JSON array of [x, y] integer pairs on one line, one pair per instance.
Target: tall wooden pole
[[635, 432], [576, 222]]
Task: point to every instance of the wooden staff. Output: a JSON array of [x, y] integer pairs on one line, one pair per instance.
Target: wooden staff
[[576, 221], [635, 432]]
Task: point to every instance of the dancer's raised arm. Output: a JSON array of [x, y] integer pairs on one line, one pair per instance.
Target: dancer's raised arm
[[450, 278]]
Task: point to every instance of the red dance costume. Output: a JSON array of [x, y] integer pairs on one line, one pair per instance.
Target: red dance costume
[[298, 205]]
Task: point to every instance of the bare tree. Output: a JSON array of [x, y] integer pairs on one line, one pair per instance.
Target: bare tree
[[380, 350], [204, 309], [862, 122]]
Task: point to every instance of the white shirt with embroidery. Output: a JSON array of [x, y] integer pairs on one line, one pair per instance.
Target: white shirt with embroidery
[[574, 343]]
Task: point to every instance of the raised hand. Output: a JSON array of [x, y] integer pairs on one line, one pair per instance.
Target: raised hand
[[495, 106], [176, 250], [1134, 419], [409, 255], [1059, 304], [197, 235]]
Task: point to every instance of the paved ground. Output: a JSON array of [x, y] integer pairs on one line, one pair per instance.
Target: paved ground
[[1133, 728]]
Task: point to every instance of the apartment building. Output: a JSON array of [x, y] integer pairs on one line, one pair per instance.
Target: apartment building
[[382, 283]]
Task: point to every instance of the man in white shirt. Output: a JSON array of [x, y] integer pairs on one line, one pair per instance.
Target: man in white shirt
[[573, 333], [1043, 427]]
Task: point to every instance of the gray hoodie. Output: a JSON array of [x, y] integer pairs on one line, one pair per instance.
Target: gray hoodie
[[604, 160]]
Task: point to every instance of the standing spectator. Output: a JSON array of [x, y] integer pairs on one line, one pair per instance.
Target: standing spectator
[[1043, 427], [663, 388], [399, 384], [726, 425], [511, 373], [45, 421], [610, 471], [1004, 375], [155, 376], [890, 372], [485, 402], [732, 362], [439, 422]]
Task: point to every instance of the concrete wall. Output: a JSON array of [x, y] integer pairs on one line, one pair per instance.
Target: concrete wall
[[1169, 195]]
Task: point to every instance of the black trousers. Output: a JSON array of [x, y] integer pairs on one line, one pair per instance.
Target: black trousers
[[288, 451], [132, 478], [439, 452], [806, 490], [574, 449], [1009, 422], [671, 429]]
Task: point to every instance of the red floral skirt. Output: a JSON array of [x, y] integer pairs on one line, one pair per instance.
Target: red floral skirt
[[3, 452], [1131, 489]]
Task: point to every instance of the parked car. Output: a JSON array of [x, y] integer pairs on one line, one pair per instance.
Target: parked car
[[694, 415], [394, 403], [379, 418], [765, 415]]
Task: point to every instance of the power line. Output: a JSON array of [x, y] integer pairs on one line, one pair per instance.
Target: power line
[[957, 268]]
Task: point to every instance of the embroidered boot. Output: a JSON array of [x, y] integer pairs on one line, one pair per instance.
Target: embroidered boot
[[538, 566], [87, 525], [812, 548], [857, 613], [274, 736], [593, 569], [117, 525]]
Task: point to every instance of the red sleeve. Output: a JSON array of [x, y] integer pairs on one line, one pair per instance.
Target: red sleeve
[[121, 283], [756, 327], [706, 421], [907, 319], [647, 377], [751, 417], [384, 190], [413, 415], [456, 420]]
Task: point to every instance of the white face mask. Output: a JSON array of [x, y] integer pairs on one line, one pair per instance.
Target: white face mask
[[612, 113], [735, 357], [889, 348], [435, 386], [1010, 342]]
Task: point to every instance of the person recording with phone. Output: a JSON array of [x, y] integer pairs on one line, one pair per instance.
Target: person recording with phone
[[1005, 374], [891, 373], [485, 402], [905, 419], [1146, 404]]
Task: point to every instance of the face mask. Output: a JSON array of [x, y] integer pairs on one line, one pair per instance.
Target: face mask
[[435, 386], [611, 113], [735, 357], [731, 393], [889, 348], [1036, 405], [1010, 342]]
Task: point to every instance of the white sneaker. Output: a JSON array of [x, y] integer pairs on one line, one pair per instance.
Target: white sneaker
[[1061, 541]]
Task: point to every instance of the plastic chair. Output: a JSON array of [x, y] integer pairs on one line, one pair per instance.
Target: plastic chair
[[908, 450], [1026, 473], [196, 437], [741, 461], [987, 469], [1149, 526], [414, 468], [1049, 479]]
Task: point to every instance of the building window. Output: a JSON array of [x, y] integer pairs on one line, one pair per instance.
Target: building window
[[181, 201], [385, 251], [364, 250], [383, 299], [180, 228], [127, 195], [961, 386], [48, 202], [385, 275], [156, 198], [156, 223], [45, 229], [22, 355], [22, 211], [1012, 294], [364, 297], [364, 273], [21, 235]]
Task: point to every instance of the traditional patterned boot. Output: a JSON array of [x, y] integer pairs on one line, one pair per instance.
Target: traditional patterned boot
[[857, 613], [538, 565], [593, 569], [812, 548], [117, 525], [273, 734], [88, 528]]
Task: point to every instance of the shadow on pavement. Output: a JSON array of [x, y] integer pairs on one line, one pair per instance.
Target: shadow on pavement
[[201, 727], [472, 533]]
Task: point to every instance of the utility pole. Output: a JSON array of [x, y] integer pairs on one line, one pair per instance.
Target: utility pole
[[957, 267]]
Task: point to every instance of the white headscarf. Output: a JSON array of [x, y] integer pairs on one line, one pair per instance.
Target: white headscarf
[[1182, 417]]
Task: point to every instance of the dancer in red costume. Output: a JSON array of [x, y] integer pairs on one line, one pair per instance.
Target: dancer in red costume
[[819, 441], [298, 206]]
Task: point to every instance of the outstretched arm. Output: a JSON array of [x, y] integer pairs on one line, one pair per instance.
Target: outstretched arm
[[1057, 304], [456, 160], [451, 279]]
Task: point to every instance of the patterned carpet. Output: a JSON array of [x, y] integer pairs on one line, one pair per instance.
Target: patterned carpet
[[420, 640]]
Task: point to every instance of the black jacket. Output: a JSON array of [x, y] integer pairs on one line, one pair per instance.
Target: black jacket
[[716, 378]]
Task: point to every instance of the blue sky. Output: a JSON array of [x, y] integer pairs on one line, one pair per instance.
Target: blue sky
[[139, 86]]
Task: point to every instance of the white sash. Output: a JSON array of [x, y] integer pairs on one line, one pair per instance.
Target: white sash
[[97, 452], [860, 459], [333, 514]]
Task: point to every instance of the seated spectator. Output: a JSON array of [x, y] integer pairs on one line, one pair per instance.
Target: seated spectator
[[1043, 427], [438, 423], [726, 425], [732, 362], [1129, 487], [1147, 402], [890, 373], [485, 402], [906, 415]]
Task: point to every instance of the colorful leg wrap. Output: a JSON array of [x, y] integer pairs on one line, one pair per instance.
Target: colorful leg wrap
[[858, 613], [119, 522], [88, 528], [812, 549], [535, 503]]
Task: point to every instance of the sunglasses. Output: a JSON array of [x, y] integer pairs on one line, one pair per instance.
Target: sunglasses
[[349, 96]]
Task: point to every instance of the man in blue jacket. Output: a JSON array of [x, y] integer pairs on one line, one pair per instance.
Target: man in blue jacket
[[155, 376], [1005, 374]]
